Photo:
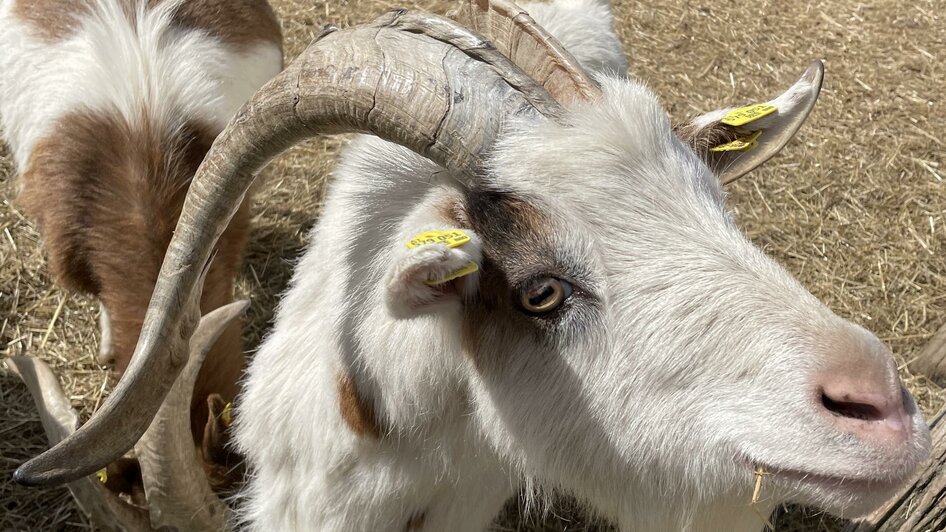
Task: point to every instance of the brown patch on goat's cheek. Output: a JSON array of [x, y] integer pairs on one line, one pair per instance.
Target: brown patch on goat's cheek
[[239, 23], [491, 322], [416, 522], [451, 211], [357, 412], [52, 20], [480, 315], [515, 235]]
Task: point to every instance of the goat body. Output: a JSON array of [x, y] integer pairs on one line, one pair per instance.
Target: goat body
[[681, 360], [109, 107]]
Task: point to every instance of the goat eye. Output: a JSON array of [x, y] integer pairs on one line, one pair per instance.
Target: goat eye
[[545, 295]]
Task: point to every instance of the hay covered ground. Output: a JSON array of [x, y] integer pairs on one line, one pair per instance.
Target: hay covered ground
[[855, 206]]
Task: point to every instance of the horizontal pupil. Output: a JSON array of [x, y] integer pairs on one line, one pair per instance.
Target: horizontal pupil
[[542, 296]]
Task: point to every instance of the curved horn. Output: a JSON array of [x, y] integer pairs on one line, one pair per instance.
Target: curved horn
[[517, 36], [415, 79], [59, 419], [179, 496]]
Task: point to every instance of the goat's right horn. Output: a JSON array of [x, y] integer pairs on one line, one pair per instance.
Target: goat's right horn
[[421, 81]]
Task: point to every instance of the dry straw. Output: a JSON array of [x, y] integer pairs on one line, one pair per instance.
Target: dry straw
[[759, 475], [854, 206]]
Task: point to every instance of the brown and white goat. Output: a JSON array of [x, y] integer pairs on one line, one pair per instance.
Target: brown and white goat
[[109, 106]]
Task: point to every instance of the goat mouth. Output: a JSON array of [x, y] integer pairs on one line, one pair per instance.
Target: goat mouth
[[851, 485]]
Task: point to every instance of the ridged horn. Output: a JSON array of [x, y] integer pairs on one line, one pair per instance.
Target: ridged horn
[[540, 55], [178, 493], [415, 79]]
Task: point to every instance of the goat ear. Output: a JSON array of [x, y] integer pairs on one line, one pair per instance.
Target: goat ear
[[735, 141], [434, 268]]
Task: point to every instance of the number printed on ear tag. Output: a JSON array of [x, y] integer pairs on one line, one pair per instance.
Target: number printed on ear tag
[[741, 144], [744, 115], [453, 238]]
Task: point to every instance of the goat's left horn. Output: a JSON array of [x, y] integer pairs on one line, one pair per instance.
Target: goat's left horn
[[418, 80], [533, 49]]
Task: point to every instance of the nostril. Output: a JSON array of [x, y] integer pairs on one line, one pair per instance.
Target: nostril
[[851, 409]]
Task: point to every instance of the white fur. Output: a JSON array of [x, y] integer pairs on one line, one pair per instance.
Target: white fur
[[113, 65], [688, 360], [586, 29], [106, 355]]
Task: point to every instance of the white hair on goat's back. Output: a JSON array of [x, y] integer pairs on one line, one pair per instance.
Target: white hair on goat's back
[[126, 62]]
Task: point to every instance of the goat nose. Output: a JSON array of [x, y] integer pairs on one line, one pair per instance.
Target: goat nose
[[867, 400]]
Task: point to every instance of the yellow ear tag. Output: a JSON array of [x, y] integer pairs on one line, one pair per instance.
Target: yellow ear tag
[[744, 115], [103, 475], [741, 144], [225, 416], [471, 267], [453, 238]]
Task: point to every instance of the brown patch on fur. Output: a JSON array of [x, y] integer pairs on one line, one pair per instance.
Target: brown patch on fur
[[515, 237], [51, 19], [451, 211], [224, 468], [702, 139], [107, 196], [124, 476], [416, 522], [357, 411], [239, 23]]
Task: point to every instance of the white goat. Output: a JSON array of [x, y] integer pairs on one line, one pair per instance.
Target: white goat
[[619, 338]]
